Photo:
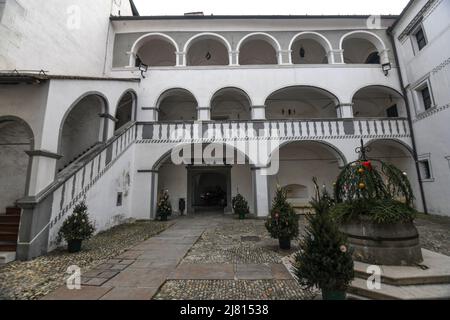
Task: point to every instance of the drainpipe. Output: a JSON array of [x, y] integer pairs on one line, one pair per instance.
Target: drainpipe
[[410, 123]]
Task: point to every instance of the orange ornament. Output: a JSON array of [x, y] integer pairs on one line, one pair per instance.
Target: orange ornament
[[362, 186]]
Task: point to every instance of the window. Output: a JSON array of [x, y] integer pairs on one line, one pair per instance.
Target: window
[[420, 38], [392, 112], [119, 199], [426, 172], [426, 97]]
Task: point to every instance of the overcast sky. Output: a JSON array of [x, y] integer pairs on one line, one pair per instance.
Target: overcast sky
[[271, 7]]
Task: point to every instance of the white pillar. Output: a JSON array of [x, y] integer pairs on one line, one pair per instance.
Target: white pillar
[[258, 112], [234, 58], [181, 59], [204, 113], [260, 192], [43, 170], [384, 56], [154, 193], [345, 110]]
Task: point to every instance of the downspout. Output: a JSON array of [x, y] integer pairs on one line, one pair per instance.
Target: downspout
[[410, 123]]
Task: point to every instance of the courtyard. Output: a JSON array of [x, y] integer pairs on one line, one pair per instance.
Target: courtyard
[[201, 257]]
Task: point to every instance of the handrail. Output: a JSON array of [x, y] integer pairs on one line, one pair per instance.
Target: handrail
[[267, 120], [31, 201]]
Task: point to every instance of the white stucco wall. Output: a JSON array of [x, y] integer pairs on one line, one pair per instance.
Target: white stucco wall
[[431, 63]]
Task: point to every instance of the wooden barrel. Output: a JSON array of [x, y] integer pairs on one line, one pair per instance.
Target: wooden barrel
[[394, 244]]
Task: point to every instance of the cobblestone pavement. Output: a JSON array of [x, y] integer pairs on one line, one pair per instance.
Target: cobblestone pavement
[[434, 233], [36, 278]]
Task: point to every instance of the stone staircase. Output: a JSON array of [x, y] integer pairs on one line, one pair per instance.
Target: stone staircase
[[9, 231], [429, 280]]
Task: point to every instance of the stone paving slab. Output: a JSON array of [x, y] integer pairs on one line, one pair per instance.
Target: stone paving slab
[[253, 272], [203, 272], [130, 294], [86, 293]]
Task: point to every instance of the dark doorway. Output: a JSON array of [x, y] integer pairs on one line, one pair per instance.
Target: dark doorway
[[209, 189]]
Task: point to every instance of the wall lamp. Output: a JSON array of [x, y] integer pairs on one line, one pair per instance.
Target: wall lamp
[[386, 68], [143, 69]]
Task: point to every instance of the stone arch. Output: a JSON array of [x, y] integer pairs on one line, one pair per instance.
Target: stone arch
[[139, 43], [237, 104], [378, 101], [126, 108], [186, 99], [250, 58], [308, 102], [84, 126], [364, 50], [218, 50], [16, 139], [314, 36]]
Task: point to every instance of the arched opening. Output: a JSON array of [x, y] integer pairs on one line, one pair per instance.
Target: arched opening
[[310, 48], [125, 110], [16, 137], [362, 48], [395, 153], [82, 129], [230, 104], [258, 49], [155, 50], [299, 163], [207, 50], [177, 105], [207, 184], [301, 102], [378, 101]]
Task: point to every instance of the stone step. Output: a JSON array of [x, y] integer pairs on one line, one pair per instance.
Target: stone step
[[9, 226], [9, 218], [7, 257], [8, 236], [13, 211], [435, 269], [392, 292], [8, 246]]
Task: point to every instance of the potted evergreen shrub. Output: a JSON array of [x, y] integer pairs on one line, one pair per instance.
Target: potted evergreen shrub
[[164, 206], [240, 206], [76, 228], [374, 207], [282, 222], [324, 260]]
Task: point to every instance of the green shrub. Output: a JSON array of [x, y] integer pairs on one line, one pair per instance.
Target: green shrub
[[324, 259], [78, 225], [240, 205], [282, 222]]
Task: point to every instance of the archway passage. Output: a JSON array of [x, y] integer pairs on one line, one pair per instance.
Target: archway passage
[[306, 50], [177, 105], [207, 51], [125, 110], [378, 101], [301, 102], [16, 138], [206, 185], [156, 52], [299, 163], [230, 104], [397, 154], [82, 129], [360, 51]]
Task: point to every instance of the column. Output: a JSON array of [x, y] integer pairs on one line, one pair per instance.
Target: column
[[151, 114], [180, 59], [234, 58], [42, 170], [285, 57], [344, 110], [337, 57], [204, 113], [258, 112], [260, 192]]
